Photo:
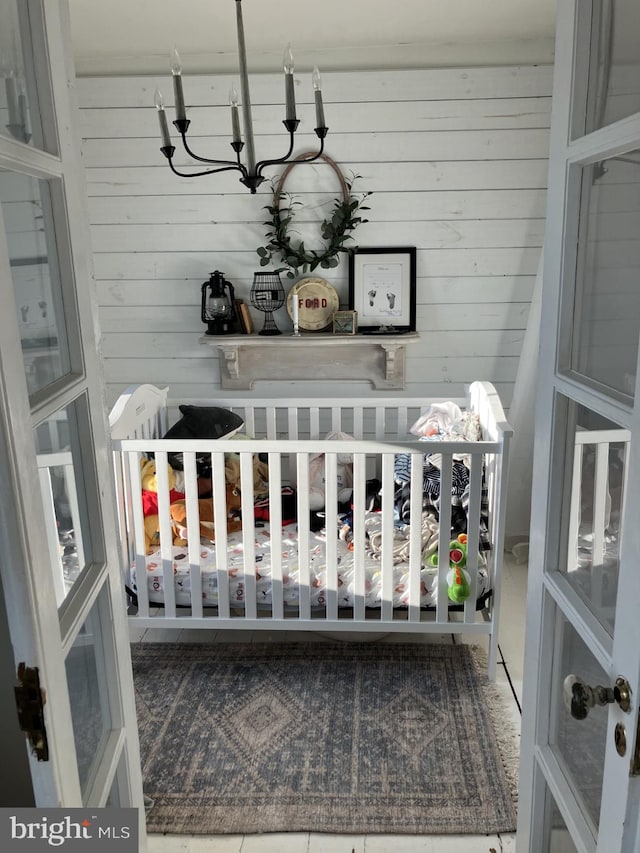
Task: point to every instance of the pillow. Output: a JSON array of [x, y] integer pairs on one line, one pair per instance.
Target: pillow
[[202, 422]]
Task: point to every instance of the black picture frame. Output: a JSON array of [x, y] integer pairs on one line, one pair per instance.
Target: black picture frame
[[382, 288]]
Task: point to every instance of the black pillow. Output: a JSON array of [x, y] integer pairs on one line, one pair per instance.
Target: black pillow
[[202, 422]]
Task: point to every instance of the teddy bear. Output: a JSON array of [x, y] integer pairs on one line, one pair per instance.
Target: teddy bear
[[260, 473], [177, 508], [178, 511]]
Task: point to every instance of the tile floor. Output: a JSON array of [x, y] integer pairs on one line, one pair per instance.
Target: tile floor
[[509, 680]]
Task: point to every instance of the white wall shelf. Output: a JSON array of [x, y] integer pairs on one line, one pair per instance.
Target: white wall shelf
[[245, 359]]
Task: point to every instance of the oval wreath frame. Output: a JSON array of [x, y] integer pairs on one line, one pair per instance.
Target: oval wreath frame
[[335, 230]]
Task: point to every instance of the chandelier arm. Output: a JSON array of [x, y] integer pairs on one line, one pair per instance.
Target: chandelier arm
[[227, 163], [231, 168], [263, 163]]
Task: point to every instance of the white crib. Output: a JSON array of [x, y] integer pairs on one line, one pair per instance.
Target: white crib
[[199, 588]]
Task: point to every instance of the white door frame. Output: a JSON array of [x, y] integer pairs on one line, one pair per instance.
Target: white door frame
[[41, 633], [548, 590]]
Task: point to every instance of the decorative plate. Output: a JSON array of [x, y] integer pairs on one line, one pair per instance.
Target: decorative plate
[[318, 301]]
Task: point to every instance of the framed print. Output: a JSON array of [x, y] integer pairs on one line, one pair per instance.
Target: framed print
[[345, 322], [382, 289]]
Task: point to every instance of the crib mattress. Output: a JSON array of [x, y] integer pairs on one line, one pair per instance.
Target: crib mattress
[[234, 564]]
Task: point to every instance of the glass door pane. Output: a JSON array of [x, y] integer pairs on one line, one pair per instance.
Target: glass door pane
[[17, 95], [614, 66], [595, 478], [37, 278], [606, 311], [63, 490], [88, 697], [579, 745]]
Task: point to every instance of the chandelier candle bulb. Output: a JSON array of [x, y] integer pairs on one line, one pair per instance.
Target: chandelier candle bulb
[[235, 117], [24, 115], [176, 71], [11, 90], [295, 310], [162, 119], [289, 67], [317, 92]]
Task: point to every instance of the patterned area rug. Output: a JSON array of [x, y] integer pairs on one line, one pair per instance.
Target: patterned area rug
[[322, 737]]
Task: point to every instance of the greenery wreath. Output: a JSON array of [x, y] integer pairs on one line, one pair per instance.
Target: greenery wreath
[[336, 230]]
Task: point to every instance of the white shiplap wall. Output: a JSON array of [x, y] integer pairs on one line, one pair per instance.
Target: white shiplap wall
[[456, 160]]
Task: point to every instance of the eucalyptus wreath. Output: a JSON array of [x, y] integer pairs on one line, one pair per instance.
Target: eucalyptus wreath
[[335, 230]]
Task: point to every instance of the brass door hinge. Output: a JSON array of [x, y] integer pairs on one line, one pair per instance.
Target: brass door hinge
[[30, 701]]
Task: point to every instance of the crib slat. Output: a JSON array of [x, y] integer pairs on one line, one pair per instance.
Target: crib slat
[[403, 422], [72, 496], [249, 421], [121, 509], [574, 510], [219, 492], [358, 422], [415, 541], [359, 478], [444, 537], [275, 528], [473, 534], [380, 423], [314, 422], [166, 534], [292, 423], [331, 500], [271, 422], [304, 574], [193, 531], [133, 460], [46, 492], [387, 536], [248, 535], [600, 494]]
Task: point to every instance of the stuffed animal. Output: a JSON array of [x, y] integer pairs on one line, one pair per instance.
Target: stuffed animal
[[177, 506], [149, 479], [344, 474], [178, 512], [458, 579], [260, 473]]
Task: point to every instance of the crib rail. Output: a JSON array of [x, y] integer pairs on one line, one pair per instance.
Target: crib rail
[[289, 461]]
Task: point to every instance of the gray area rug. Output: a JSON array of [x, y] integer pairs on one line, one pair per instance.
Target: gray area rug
[[322, 737]]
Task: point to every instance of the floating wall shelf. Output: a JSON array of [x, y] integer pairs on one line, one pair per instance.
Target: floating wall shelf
[[245, 359]]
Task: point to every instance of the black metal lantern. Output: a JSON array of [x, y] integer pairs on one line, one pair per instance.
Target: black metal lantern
[[218, 310], [267, 295]]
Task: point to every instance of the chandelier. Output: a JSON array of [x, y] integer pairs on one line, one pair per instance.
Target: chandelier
[[251, 171]]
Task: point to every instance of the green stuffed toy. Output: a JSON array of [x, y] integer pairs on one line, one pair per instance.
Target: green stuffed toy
[[458, 580]]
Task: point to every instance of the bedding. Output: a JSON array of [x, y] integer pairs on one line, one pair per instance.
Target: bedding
[[234, 565]]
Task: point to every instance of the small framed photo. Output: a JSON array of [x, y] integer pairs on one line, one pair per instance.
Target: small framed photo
[[345, 322], [382, 289]]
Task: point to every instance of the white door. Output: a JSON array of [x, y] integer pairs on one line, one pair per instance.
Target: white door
[[580, 788], [59, 560]]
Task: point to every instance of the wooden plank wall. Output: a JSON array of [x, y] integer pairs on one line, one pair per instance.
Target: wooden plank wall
[[456, 160]]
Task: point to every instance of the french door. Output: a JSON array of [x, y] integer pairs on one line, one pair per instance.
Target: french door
[[60, 572], [580, 764]]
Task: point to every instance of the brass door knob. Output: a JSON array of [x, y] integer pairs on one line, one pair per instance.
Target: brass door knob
[[579, 697]]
